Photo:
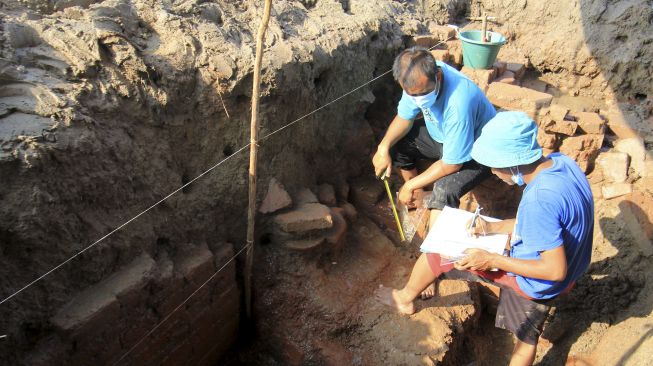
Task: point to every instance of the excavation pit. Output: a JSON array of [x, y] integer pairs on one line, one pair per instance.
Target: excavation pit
[[108, 107]]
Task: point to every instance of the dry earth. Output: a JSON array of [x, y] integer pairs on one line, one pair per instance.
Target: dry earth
[[108, 106]]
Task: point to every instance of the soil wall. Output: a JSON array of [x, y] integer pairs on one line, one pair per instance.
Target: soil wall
[[107, 107], [110, 107], [604, 45]]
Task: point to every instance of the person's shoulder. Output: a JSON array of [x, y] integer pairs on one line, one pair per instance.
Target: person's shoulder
[[460, 86], [563, 163]]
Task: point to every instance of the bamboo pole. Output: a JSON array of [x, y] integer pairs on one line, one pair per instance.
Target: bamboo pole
[[253, 150]]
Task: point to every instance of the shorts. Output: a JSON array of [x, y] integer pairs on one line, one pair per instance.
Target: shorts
[[518, 313], [418, 145]]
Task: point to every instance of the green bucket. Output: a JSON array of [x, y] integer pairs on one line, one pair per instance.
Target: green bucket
[[478, 54]]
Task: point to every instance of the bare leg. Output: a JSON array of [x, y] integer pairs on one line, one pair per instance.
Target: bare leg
[[408, 174], [523, 354], [429, 291], [434, 216], [402, 300]]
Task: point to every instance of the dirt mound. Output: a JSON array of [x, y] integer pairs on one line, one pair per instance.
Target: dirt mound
[[601, 45]]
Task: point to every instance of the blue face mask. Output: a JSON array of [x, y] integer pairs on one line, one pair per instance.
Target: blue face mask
[[517, 177]]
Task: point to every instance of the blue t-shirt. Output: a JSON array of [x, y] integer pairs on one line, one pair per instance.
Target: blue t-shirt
[[457, 116], [557, 208]]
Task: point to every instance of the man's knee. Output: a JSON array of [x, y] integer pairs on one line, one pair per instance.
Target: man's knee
[[445, 194]]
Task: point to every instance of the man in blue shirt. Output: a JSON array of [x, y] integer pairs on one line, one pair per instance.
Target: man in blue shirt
[[551, 242], [454, 111]]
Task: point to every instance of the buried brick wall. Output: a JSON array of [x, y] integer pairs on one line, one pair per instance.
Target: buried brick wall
[[149, 326]]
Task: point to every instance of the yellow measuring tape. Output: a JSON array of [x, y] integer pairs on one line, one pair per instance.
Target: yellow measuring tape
[[394, 209]]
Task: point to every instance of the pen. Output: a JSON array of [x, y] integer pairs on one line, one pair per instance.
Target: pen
[[477, 213]]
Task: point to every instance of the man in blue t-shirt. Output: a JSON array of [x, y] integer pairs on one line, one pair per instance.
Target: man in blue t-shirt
[[551, 242], [454, 110]]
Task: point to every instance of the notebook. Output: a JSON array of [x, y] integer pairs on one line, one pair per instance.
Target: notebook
[[450, 239]]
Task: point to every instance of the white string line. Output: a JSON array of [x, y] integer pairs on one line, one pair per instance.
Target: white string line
[[180, 305], [121, 226], [247, 245], [199, 176]]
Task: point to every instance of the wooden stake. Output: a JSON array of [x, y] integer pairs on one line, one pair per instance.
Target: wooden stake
[[253, 149]]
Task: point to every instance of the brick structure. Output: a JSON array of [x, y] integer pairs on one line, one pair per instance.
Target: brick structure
[[513, 97], [108, 319], [480, 77], [583, 149]]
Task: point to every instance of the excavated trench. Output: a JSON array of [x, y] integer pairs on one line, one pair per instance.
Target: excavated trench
[[106, 108]]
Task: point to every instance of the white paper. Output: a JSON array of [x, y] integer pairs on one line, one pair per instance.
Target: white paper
[[450, 239]]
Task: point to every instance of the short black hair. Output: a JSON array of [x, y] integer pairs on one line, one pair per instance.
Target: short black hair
[[411, 63]]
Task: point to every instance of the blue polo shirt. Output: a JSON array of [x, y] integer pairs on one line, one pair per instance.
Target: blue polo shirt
[[457, 116], [556, 209]]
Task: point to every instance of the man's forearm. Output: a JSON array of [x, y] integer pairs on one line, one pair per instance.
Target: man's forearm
[[500, 227], [436, 171], [533, 268], [398, 128]]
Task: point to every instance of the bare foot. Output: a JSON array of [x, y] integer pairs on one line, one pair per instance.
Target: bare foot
[[390, 297], [428, 292]]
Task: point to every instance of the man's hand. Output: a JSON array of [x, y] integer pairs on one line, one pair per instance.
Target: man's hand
[[406, 194], [382, 162], [481, 227], [476, 259]]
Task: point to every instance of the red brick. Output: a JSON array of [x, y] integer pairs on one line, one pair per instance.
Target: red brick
[[442, 32], [507, 77], [99, 305], [535, 84], [633, 146], [558, 112], [517, 98], [643, 168], [214, 329], [583, 149], [137, 324], [499, 67], [441, 55], [275, 199], [614, 166], [616, 189], [305, 196], [156, 347], [179, 354], [596, 191], [518, 68], [590, 122], [426, 41], [622, 125], [564, 127], [326, 194], [306, 217], [480, 77], [547, 140], [101, 348], [197, 265], [168, 289]]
